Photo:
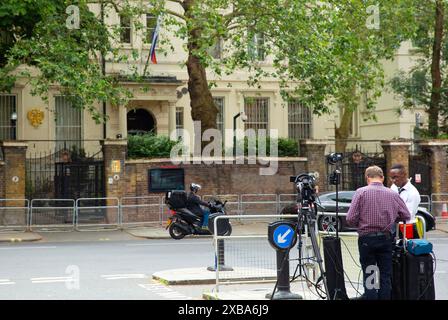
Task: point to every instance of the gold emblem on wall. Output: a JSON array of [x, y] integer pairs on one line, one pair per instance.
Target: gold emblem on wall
[[35, 116]]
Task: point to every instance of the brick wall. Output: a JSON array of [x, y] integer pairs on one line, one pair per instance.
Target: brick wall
[[2, 180], [217, 178]]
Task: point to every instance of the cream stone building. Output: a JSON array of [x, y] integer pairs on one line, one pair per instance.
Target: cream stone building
[[166, 106]]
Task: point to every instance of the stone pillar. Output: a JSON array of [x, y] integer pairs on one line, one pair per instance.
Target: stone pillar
[[114, 155], [12, 181], [122, 121], [314, 151], [438, 163], [14, 155], [171, 117], [396, 152]]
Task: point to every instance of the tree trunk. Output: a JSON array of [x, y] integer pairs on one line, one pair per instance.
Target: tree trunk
[[434, 105], [203, 108], [342, 133]]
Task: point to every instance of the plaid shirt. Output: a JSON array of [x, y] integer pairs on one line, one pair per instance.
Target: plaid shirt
[[375, 208]]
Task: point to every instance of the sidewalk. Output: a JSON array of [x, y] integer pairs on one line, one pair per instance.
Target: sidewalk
[[19, 237], [442, 225]]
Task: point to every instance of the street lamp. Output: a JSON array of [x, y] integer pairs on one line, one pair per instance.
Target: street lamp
[[13, 125], [244, 118]]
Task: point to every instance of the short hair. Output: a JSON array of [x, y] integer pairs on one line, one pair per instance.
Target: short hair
[[399, 167], [374, 172]]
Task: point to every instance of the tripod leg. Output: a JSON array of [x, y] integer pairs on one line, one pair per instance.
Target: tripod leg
[[317, 253]]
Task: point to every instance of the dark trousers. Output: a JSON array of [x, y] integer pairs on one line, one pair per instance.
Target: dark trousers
[[376, 251]]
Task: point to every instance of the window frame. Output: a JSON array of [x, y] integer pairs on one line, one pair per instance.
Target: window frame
[[300, 121], [258, 123], [11, 128], [127, 29]]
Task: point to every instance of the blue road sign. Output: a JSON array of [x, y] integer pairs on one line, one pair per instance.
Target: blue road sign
[[283, 236]]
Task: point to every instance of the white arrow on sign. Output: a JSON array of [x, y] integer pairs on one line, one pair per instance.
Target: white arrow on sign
[[281, 237]]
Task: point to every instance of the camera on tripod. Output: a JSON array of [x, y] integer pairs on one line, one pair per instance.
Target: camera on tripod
[[334, 159], [306, 187]]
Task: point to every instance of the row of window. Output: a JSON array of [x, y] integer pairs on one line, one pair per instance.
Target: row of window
[[257, 112], [69, 119], [255, 47]]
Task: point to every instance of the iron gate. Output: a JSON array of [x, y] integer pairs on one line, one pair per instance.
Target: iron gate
[[67, 173], [354, 165], [83, 179]]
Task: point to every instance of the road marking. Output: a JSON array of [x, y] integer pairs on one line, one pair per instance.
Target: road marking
[[6, 281], [164, 291], [51, 279], [16, 248], [168, 243], [123, 276]]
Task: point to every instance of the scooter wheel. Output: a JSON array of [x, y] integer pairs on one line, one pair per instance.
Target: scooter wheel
[[229, 231], [175, 232]]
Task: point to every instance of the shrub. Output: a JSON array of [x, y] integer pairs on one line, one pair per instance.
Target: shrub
[[149, 146], [286, 147]]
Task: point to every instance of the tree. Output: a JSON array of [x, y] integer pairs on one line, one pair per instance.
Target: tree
[[323, 53], [41, 48], [346, 68], [425, 84]]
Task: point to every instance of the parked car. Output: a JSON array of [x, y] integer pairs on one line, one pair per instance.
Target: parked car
[[327, 204]]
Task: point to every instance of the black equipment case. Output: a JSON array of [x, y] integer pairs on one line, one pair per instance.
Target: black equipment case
[[412, 276]]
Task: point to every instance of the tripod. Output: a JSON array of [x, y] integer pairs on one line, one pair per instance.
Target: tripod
[[307, 218]]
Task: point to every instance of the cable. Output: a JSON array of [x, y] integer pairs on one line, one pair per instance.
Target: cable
[[432, 276]]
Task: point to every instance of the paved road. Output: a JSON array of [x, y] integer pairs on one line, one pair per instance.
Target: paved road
[[107, 270], [112, 269]]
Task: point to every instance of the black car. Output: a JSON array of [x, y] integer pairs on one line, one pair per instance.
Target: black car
[[327, 204]]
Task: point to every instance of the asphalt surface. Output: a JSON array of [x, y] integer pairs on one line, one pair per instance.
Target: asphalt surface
[[102, 266]]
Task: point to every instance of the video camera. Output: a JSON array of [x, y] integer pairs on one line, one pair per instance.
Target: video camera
[[334, 158], [306, 187]]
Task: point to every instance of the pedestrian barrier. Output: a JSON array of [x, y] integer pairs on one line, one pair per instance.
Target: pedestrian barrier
[[14, 215], [350, 258], [425, 202], [140, 211], [94, 214], [233, 202], [52, 215], [247, 251], [439, 208], [256, 204], [285, 200]]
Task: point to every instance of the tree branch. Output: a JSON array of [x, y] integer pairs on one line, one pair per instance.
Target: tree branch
[[173, 13]]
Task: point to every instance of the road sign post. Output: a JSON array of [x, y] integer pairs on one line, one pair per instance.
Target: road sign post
[[282, 236]]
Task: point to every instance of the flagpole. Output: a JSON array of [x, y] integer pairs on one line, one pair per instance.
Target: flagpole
[[153, 43]]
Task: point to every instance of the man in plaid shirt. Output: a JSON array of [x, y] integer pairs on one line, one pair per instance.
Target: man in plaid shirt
[[374, 211]]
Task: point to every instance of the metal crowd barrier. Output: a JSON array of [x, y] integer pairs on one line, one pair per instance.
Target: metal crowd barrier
[[140, 211], [52, 215], [247, 251], [14, 215], [350, 258], [93, 214], [439, 209], [425, 201], [256, 204]]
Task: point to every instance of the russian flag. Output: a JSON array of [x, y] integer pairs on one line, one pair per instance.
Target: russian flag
[[155, 37]]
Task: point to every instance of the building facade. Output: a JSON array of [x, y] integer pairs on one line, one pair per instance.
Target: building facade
[[165, 107]]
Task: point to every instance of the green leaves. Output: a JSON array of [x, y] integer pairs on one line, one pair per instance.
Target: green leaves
[[149, 146]]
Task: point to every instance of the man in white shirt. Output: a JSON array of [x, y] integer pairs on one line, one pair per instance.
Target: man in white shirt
[[403, 186]]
